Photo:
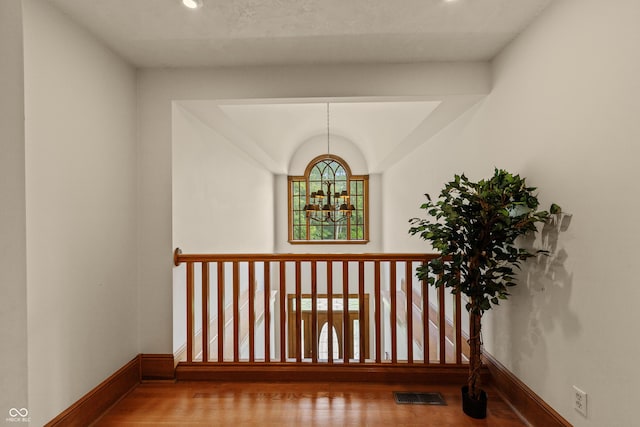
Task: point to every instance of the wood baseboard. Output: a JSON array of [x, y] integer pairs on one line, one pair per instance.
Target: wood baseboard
[[522, 399], [157, 367], [449, 374], [92, 405]]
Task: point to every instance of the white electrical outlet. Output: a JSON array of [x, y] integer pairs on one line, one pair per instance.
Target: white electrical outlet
[[580, 401]]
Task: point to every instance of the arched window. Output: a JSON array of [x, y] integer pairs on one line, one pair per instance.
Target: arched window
[[328, 204]]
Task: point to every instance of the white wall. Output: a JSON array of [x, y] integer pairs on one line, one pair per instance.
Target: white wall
[[81, 211], [222, 199], [563, 113], [13, 264], [159, 88]]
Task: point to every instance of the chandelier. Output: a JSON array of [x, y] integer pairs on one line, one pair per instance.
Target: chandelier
[[329, 206]]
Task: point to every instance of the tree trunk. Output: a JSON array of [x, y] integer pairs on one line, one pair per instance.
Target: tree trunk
[[475, 362]]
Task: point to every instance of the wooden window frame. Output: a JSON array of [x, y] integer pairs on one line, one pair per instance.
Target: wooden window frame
[[350, 178]]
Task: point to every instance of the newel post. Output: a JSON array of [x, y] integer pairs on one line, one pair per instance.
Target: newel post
[[176, 256]]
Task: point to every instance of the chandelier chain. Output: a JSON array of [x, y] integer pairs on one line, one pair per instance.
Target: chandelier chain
[[328, 133], [333, 206]]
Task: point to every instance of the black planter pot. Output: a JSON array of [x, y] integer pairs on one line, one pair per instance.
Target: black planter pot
[[475, 408]]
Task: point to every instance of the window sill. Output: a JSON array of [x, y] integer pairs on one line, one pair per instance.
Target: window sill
[[328, 242]]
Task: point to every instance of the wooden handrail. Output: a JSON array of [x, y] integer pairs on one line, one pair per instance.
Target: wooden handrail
[[180, 257], [406, 306]]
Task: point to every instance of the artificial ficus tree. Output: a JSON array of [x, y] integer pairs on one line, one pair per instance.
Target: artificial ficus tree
[[474, 226]]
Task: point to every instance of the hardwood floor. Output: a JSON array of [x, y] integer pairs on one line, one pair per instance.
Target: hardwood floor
[[294, 404]]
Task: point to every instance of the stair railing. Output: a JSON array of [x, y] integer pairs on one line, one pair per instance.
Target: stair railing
[[273, 308]]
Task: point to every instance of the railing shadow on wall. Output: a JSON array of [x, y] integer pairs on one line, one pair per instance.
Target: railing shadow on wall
[[318, 317]]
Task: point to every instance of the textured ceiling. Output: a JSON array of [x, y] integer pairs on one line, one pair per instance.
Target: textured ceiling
[[152, 33]]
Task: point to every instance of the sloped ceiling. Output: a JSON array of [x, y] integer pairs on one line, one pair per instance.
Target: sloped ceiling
[[272, 132]]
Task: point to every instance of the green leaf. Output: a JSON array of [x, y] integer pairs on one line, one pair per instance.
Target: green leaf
[[477, 225], [555, 209]]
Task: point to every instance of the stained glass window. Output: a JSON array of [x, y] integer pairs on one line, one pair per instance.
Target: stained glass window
[[328, 204]]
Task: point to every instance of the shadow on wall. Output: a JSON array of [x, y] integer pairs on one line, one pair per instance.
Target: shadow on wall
[[542, 297]]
